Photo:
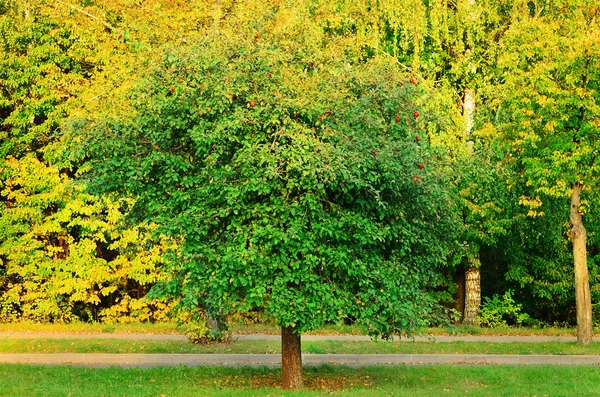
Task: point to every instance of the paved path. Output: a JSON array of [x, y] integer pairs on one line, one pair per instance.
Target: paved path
[[272, 360], [154, 360], [175, 337]]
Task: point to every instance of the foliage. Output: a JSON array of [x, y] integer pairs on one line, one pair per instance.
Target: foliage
[[40, 71], [66, 64], [200, 332], [62, 255], [65, 258], [550, 99], [547, 115], [288, 179], [499, 312]]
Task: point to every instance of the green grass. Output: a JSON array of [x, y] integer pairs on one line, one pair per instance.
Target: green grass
[[80, 328], [24, 380], [8, 345], [171, 328]]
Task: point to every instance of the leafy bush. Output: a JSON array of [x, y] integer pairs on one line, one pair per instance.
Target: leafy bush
[[502, 311], [64, 256]]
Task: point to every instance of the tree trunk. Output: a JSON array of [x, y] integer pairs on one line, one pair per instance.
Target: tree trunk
[[469, 110], [472, 291], [291, 359], [472, 272], [583, 302], [459, 294]]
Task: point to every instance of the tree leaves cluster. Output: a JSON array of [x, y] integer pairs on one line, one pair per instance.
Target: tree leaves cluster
[[292, 178]]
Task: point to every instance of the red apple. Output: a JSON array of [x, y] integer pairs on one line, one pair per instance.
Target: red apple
[[415, 179], [416, 114], [412, 81], [397, 119], [256, 36], [172, 88], [418, 138], [421, 165], [252, 103]]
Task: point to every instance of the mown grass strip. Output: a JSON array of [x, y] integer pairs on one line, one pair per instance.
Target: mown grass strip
[[34, 381], [171, 328], [8, 345], [131, 328]]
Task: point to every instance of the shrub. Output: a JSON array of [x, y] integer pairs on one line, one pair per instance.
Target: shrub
[[502, 311]]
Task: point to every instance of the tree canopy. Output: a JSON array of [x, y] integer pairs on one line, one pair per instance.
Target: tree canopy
[[296, 181]]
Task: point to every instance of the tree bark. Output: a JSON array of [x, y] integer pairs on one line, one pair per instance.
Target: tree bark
[[459, 294], [469, 110], [472, 272], [472, 291], [291, 359], [583, 301]]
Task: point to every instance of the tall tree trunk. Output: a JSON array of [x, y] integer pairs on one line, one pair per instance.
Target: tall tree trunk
[[473, 271], [469, 110], [291, 359], [472, 291], [459, 294], [583, 300]]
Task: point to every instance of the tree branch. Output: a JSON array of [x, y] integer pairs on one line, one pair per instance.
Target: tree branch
[[84, 12], [391, 56]]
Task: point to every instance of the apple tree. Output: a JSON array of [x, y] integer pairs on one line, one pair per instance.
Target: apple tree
[[296, 181]]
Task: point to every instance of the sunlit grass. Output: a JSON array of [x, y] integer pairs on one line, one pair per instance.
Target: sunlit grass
[[272, 329], [437, 380], [130, 328]]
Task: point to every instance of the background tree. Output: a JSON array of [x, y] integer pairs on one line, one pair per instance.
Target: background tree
[[58, 263], [550, 112], [452, 47], [66, 258]]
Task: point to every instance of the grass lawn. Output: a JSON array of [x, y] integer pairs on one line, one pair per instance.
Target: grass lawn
[[171, 328], [23, 380], [8, 345], [133, 328]]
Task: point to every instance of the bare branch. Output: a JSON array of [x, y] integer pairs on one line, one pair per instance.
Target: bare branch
[[84, 12], [390, 55]]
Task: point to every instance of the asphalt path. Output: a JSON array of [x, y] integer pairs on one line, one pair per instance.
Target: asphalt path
[[273, 360]]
